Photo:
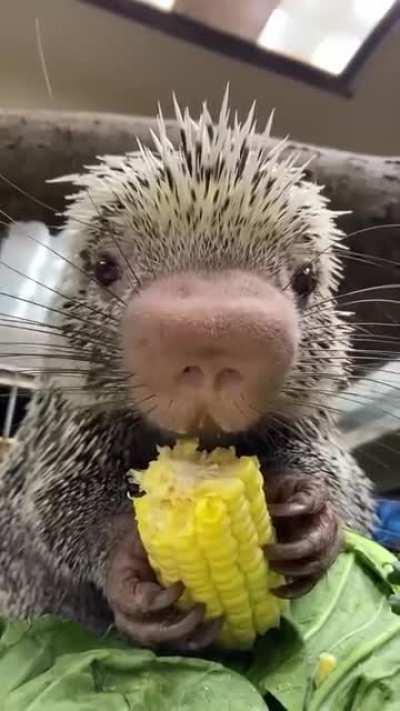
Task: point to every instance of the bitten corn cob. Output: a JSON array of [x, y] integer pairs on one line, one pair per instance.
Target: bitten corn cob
[[203, 520]]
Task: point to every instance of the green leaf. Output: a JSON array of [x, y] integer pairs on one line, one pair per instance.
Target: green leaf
[[346, 621], [373, 555], [348, 616], [394, 602], [54, 665], [394, 575], [280, 666]]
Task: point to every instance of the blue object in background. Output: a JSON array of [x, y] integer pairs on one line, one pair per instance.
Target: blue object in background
[[387, 530]]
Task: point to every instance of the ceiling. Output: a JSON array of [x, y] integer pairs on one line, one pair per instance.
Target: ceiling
[[98, 61]]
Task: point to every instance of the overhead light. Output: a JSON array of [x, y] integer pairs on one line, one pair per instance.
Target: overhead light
[[274, 29], [335, 52], [370, 12], [165, 5]]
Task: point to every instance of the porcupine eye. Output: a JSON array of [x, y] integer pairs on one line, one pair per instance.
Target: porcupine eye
[[304, 281], [106, 269]]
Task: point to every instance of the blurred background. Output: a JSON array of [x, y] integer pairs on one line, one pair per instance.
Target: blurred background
[[330, 68], [100, 61]]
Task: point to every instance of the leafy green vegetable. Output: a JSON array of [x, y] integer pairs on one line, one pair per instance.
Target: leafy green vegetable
[[344, 629], [394, 575], [347, 615], [54, 665]]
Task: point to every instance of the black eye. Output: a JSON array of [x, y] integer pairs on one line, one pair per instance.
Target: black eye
[[107, 269], [304, 281]]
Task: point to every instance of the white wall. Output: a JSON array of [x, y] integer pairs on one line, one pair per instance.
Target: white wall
[[101, 62]]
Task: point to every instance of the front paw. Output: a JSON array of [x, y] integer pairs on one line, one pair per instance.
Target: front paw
[[145, 612], [308, 530]]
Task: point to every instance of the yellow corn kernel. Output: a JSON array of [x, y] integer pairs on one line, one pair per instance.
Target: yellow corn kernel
[[203, 520], [326, 664]]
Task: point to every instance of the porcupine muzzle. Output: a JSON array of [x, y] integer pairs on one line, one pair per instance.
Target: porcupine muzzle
[[209, 352]]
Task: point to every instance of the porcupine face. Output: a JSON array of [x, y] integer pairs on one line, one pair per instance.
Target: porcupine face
[[205, 282]]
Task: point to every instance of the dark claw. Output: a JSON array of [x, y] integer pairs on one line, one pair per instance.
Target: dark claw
[[299, 568], [202, 637], [145, 612], [291, 495], [321, 534], [150, 597], [308, 532], [306, 574], [154, 633], [288, 510], [184, 626], [296, 588]]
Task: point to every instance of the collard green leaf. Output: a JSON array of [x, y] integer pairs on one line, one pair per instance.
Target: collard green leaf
[[347, 621], [348, 616], [53, 665], [394, 576], [280, 666], [373, 556]]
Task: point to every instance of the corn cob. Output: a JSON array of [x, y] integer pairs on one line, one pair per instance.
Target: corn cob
[[203, 520]]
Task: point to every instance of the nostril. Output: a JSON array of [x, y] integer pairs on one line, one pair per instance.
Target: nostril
[[227, 377], [191, 375]]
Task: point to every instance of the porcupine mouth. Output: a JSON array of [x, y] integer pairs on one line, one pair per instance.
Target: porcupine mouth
[[210, 435], [151, 435]]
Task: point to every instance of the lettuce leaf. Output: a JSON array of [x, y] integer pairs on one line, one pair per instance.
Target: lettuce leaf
[[55, 665]]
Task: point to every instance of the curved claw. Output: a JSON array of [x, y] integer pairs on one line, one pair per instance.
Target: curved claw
[[290, 509], [168, 630], [304, 573], [291, 495], [147, 597], [144, 611], [205, 634], [295, 589], [300, 569], [320, 535], [308, 530]]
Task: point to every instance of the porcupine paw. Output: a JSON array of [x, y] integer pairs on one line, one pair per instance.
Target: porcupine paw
[[146, 613], [308, 530]]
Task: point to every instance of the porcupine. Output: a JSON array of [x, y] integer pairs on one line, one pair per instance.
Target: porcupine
[[200, 299]]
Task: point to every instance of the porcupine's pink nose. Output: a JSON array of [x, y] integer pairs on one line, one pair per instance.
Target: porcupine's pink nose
[[208, 351]]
